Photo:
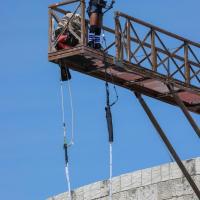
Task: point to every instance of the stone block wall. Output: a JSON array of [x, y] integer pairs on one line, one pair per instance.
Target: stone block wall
[[165, 182]]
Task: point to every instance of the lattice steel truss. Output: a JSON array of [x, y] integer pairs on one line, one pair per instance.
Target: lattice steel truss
[[157, 49]]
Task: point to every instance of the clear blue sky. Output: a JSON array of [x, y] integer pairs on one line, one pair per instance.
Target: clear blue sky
[[31, 154]]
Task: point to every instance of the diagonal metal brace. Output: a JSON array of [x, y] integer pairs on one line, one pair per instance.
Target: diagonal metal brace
[[168, 144], [184, 109]]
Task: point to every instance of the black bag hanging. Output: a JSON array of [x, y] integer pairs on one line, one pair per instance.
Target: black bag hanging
[[65, 73]]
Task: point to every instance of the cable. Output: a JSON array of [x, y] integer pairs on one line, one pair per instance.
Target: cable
[[68, 181], [72, 113], [111, 171], [63, 111], [109, 120], [112, 78], [65, 146], [62, 107]]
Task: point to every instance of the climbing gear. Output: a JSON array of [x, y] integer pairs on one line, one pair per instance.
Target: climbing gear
[[65, 75], [109, 119]]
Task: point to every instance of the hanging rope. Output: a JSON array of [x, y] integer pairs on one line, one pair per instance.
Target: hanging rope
[[65, 146], [111, 172], [63, 111], [110, 136], [112, 78], [65, 75], [109, 118]]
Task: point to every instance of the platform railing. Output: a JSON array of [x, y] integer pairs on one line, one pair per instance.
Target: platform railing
[[59, 10], [136, 42], [151, 47]]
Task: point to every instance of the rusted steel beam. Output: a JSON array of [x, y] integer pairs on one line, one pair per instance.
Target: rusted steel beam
[[153, 52], [184, 110], [175, 63], [128, 40], [158, 29], [50, 31], [141, 43], [192, 52], [168, 144], [83, 28], [128, 67], [63, 3], [109, 46], [171, 53], [60, 10], [117, 39], [82, 57], [159, 50], [187, 66]]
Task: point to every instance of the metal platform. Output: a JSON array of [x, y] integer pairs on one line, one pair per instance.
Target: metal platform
[[135, 78]]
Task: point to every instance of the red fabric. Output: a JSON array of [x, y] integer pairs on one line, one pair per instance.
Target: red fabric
[[62, 42], [62, 38]]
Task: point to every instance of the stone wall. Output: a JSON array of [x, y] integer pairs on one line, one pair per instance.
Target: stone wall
[[165, 182]]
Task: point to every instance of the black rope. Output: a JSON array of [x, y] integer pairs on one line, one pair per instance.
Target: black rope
[[112, 78], [65, 146], [108, 104], [109, 7], [109, 115]]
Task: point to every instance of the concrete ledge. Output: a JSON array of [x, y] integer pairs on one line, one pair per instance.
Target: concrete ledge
[[165, 182]]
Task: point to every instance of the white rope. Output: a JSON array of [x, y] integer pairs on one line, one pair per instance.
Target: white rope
[[63, 112], [68, 181], [62, 107], [111, 171], [65, 131], [72, 113]]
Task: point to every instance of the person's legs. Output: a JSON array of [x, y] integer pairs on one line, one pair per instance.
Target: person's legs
[[97, 44], [91, 39], [95, 29]]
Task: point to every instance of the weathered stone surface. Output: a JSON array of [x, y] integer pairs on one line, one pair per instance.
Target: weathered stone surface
[[165, 182]]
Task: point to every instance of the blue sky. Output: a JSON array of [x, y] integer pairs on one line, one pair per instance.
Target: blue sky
[[31, 154]]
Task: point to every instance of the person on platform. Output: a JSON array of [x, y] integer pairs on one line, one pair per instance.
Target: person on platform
[[95, 13], [66, 39]]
